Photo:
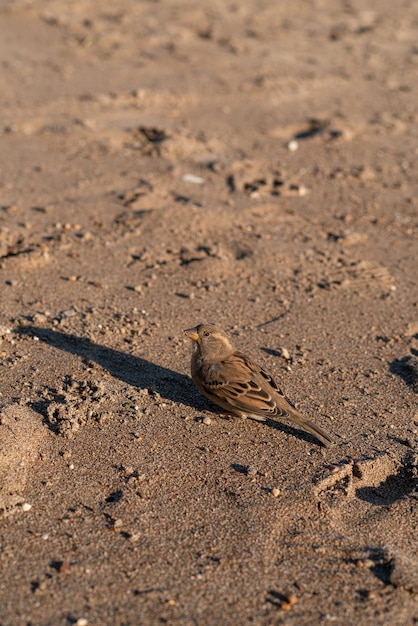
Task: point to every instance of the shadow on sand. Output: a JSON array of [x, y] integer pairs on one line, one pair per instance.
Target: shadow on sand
[[407, 369], [128, 368], [141, 373]]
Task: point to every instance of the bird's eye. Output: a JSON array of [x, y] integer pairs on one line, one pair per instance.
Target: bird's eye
[[206, 333]]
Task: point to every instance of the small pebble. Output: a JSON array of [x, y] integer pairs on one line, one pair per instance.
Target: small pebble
[[292, 598], [82, 621], [64, 567], [276, 492], [26, 506], [206, 420], [285, 353], [293, 145], [289, 603], [191, 178]]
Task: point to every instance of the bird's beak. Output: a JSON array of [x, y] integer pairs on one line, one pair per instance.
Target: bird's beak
[[192, 333]]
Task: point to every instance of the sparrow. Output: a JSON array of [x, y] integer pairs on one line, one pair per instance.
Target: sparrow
[[233, 381]]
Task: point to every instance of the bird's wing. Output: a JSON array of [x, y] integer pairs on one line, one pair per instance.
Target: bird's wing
[[241, 385], [238, 385]]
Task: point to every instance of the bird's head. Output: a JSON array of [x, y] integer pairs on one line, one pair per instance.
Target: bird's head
[[212, 342]]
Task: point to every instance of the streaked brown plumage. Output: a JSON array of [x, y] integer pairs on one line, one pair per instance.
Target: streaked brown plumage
[[234, 382]]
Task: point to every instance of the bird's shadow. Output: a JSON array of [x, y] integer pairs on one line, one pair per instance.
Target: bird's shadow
[[141, 373], [128, 368], [295, 432], [270, 423]]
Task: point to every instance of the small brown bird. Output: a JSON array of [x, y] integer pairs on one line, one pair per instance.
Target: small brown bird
[[234, 382]]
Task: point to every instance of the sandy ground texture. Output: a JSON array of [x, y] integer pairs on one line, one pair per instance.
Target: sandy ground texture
[[248, 163]]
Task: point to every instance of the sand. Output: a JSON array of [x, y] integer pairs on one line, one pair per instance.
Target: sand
[[252, 164]]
